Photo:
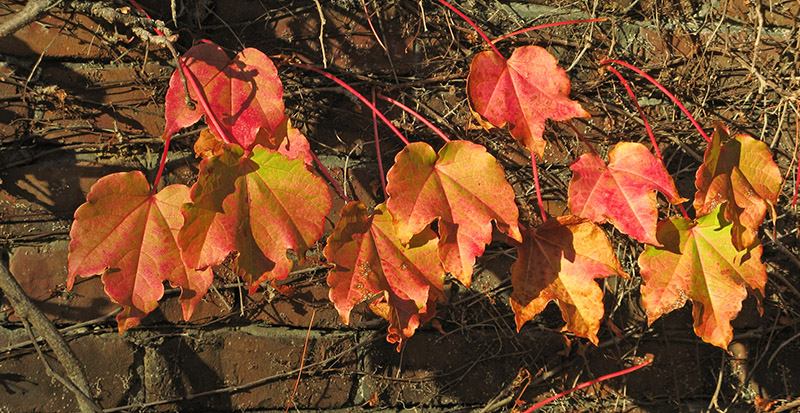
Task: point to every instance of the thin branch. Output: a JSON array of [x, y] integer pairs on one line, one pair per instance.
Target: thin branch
[[31, 12], [25, 308], [52, 373]]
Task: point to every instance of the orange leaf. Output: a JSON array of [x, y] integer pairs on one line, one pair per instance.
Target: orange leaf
[[740, 172], [624, 191], [698, 262], [559, 261], [462, 186], [259, 205], [401, 282], [130, 236], [521, 93]]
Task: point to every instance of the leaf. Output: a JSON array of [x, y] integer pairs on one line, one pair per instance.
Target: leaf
[[698, 262], [464, 188], [369, 260], [286, 140], [559, 261], [739, 171], [260, 206], [521, 93], [622, 192], [244, 93], [130, 236]]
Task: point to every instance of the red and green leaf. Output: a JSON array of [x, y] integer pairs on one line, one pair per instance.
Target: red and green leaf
[[738, 171], [559, 261], [464, 188], [129, 235], [622, 192], [244, 94], [260, 206], [699, 262], [521, 93], [401, 282]]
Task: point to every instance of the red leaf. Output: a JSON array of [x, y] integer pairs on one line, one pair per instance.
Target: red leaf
[[521, 92], [698, 262], [244, 93], [260, 206], [739, 171], [464, 188], [130, 236], [559, 261], [369, 260], [624, 191]]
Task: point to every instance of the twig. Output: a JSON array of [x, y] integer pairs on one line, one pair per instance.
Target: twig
[[302, 361], [322, 34], [31, 12], [239, 387], [27, 310], [63, 330]]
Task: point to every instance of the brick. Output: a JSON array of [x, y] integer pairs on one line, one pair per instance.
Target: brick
[[451, 369], [206, 361], [61, 34], [42, 273], [107, 359]]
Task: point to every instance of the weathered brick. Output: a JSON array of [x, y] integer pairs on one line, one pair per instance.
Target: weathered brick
[[107, 359], [42, 273], [196, 363]]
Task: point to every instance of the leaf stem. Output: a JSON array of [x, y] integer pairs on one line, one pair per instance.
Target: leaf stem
[[474, 26], [419, 117], [378, 146], [663, 89], [161, 165], [647, 362], [641, 112], [544, 26], [356, 94], [538, 188]]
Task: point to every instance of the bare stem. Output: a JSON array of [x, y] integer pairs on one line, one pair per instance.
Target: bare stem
[[648, 360], [356, 94], [419, 117], [544, 26], [25, 308], [378, 146], [641, 112], [474, 26], [663, 89]]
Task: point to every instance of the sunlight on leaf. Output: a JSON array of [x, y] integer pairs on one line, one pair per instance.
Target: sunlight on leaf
[[129, 235]]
